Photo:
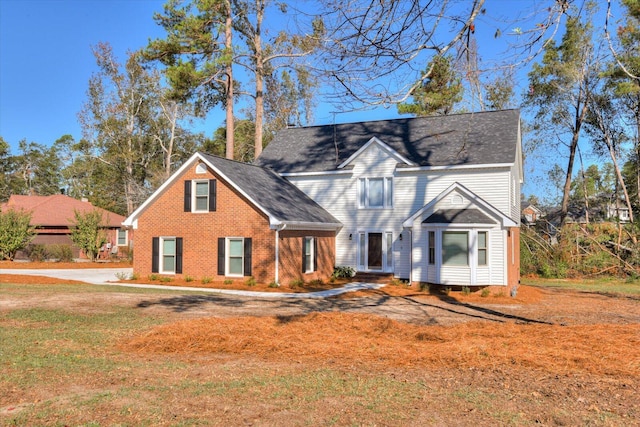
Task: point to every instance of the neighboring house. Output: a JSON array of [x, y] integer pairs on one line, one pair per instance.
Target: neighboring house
[[617, 211], [431, 199], [530, 213], [54, 216], [220, 218]]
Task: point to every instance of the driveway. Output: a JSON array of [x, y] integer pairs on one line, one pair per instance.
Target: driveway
[[109, 276]]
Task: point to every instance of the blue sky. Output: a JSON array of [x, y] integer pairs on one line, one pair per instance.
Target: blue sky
[[46, 62]]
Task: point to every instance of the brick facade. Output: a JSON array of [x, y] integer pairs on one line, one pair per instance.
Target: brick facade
[[235, 216]]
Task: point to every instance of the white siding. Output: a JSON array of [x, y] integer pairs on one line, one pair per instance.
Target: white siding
[[412, 190]]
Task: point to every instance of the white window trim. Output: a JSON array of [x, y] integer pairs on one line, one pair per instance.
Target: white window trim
[[194, 196], [227, 256], [387, 187], [161, 269], [126, 237], [486, 248], [311, 266]]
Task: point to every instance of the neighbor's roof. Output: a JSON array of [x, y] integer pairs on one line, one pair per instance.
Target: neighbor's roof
[[275, 195], [57, 210], [461, 139]]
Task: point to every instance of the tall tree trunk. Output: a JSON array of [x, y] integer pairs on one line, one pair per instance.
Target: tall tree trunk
[[229, 82], [580, 114], [257, 41]]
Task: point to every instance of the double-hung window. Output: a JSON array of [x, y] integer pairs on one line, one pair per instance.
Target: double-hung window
[[482, 248], [234, 256], [309, 255], [376, 192], [167, 255], [122, 237], [200, 195]]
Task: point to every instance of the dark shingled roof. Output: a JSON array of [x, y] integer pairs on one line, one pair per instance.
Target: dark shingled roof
[[458, 216], [275, 194], [460, 139]]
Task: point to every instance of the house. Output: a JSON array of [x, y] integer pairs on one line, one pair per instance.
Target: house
[[617, 211], [219, 218], [54, 216], [429, 199], [530, 213]]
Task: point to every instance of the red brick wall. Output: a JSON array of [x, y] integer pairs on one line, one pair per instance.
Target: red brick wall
[[290, 246], [234, 217]]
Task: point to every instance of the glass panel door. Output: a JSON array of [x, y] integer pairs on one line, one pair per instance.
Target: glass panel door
[[374, 252]]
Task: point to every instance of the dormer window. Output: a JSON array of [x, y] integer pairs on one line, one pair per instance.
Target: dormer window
[[376, 193]]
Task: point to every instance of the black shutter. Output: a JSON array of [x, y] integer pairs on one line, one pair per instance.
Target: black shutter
[[178, 255], [315, 254], [221, 246], [155, 255], [247, 256], [212, 195], [187, 196]]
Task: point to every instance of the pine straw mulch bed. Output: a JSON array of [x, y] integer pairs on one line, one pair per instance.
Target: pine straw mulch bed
[[370, 340]]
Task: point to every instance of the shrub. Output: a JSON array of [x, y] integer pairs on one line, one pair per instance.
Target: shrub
[[153, 277], [166, 279], [251, 281], [344, 271], [61, 253], [466, 290], [206, 280], [296, 283], [121, 275], [227, 281], [188, 279], [274, 285], [485, 292], [37, 252], [15, 232]]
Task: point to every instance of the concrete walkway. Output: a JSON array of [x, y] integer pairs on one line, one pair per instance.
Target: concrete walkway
[[109, 276]]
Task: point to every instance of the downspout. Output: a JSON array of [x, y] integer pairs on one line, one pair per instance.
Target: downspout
[[278, 229]]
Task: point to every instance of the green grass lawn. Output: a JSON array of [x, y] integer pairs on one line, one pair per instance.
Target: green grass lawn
[[604, 285]]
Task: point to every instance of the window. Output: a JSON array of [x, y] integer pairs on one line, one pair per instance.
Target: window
[[234, 256], [376, 192], [482, 248], [432, 247], [455, 248], [309, 255], [200, 195], [122, 237], [166, 255]]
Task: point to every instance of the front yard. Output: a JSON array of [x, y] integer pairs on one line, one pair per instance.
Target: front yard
[[76, 354]]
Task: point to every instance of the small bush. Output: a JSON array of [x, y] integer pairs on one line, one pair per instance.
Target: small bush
[[466, 290], [446, 290], [485, 292], [121, 275], [251, 281], [274, 285], [188, 279], [37, 252], [344, 271], [316, 282], [153, 277], [424, 287], [227, 281], [135, 276], [206, 280], [296, 283], [61, 253], [166, 279]]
